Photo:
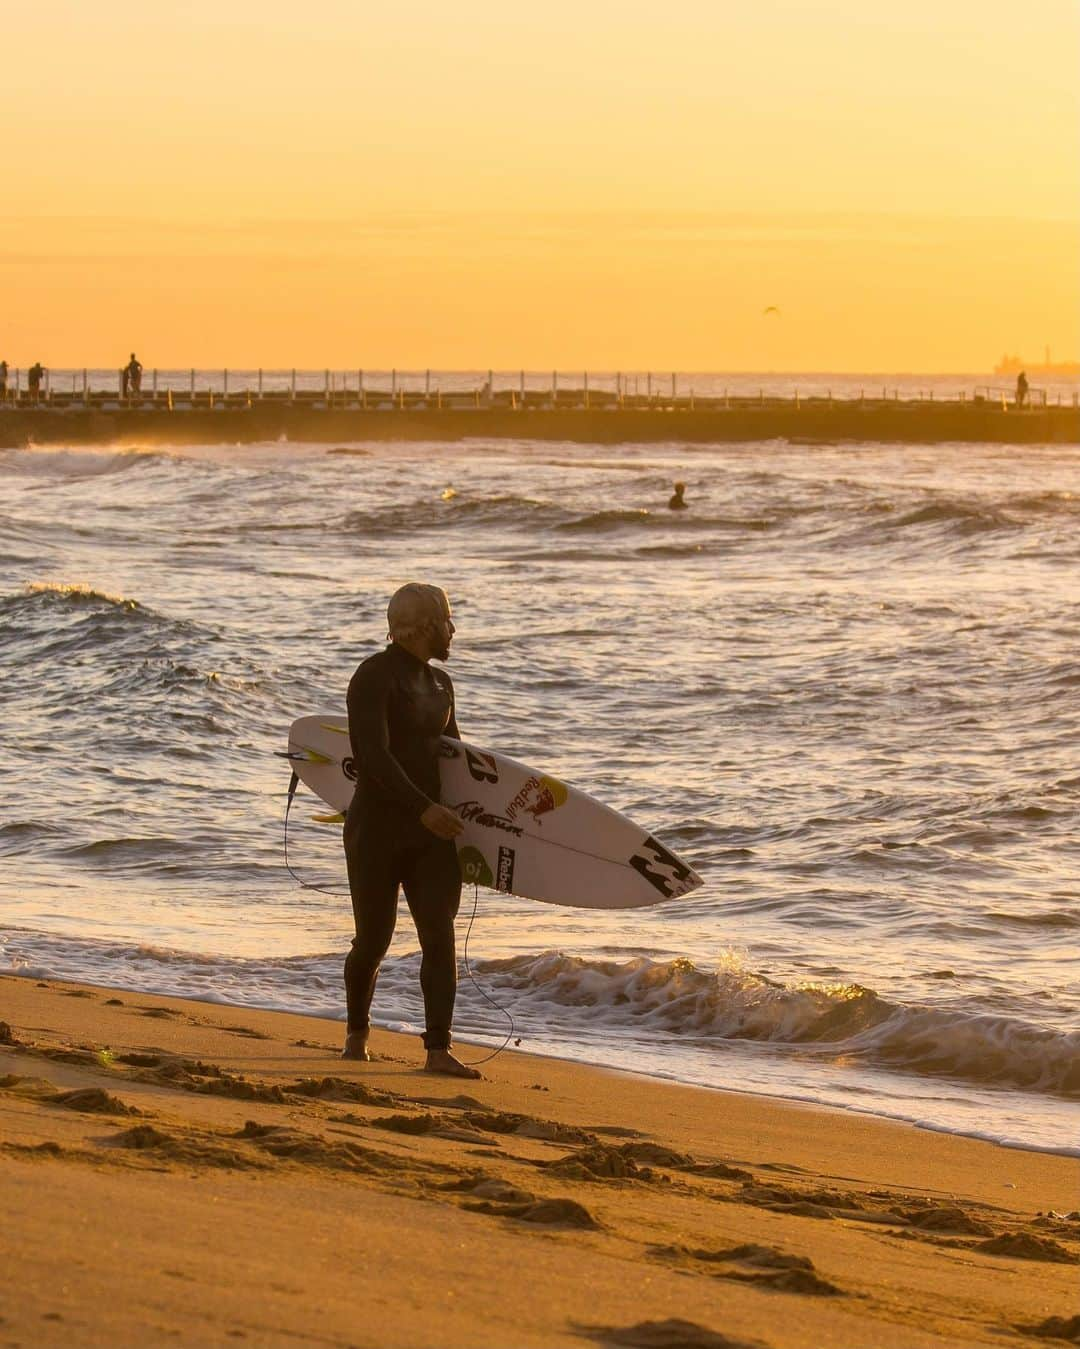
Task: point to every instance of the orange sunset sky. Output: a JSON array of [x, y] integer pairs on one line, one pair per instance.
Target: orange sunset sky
[[500, 184]]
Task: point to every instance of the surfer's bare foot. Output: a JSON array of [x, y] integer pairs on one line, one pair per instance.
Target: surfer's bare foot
[[356, 1047], [442, 1061]]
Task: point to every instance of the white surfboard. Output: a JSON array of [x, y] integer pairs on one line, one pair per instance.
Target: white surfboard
[[526, 833]]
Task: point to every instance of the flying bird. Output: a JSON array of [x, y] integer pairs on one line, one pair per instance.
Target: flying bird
[[771, 309]]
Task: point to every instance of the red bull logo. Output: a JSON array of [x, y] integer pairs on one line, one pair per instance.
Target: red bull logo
[[537, 797]]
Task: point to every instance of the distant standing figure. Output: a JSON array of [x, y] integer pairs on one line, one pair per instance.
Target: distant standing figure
[[1021, 389], [132, 377], [33, 380], [3, 381], [677, 503]]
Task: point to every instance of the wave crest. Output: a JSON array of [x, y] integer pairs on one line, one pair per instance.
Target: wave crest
[[75, 592], [733, 1003]]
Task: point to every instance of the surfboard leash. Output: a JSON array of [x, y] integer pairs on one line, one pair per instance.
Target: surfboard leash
[[505, 1011], [294, 782]]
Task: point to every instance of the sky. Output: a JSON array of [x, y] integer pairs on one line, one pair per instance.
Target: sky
[[577, 184]]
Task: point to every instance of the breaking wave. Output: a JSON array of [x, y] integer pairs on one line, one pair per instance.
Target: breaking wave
[[590, 1001], [676, 998]]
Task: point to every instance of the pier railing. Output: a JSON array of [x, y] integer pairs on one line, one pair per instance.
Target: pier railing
[[392, 390]]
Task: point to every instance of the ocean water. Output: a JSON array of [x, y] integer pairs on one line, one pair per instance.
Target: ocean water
[[845, 685]]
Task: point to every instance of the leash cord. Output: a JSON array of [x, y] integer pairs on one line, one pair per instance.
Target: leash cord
[[304, 885], [505, 1011]]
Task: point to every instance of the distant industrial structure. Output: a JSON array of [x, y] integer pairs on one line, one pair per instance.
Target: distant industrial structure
[[1012, 365]]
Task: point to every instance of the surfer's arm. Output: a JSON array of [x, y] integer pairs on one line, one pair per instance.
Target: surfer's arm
[[369, 733]]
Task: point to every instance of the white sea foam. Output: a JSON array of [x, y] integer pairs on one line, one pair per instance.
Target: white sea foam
[[662, 1018]]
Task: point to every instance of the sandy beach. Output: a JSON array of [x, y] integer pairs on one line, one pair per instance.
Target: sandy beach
[[176, 1172]]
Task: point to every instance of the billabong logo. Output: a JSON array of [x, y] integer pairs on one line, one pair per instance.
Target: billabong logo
[[663, 870], [482, 767], [537, 797], [348, 767], [504, 876]]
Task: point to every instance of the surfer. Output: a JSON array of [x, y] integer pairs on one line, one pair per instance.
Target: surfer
[[677, 503], [396, 830]]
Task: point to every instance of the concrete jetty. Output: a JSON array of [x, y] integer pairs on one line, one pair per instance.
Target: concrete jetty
[[807, 420]]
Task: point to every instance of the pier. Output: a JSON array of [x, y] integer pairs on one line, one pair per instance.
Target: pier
[[248, 408]]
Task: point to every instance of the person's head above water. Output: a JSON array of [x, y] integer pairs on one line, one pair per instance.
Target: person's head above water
[[418, 619]]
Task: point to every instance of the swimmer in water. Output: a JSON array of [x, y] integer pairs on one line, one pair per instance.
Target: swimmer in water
[[677, 503]]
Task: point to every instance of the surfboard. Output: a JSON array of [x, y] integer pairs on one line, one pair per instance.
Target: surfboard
[[526, 833]]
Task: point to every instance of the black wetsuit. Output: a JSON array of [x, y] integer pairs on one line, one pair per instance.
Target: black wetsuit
[[398, 708]]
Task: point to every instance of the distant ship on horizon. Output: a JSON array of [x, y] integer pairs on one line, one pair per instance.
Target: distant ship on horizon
[[1012, 365]]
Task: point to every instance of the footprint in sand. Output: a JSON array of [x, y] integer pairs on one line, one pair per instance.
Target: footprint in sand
[[450, 1102], [437, 1126], [543, 1212], [717, 1171], [1055, 1328], [501, 1192], [602, 1163], [84, 1058], [824, 1205], [188, 1149], [89, 1099], [764, 1266], [481, 1186], [525, 1126], [671, 1334], [337, 1089], [1025, 1246], [944, 1220], [246, 1032], [312, 1150]]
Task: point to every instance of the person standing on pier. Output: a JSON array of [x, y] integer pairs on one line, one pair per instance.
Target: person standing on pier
[[132, 377], [1022, 389], [3, 381], [34, 377], [397, 832]]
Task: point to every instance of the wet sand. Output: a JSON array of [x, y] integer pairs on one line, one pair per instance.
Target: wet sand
[[811, 421], [174, 1172]]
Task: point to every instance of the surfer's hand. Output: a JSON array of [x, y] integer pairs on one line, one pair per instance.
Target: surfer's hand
[[443, 823]]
